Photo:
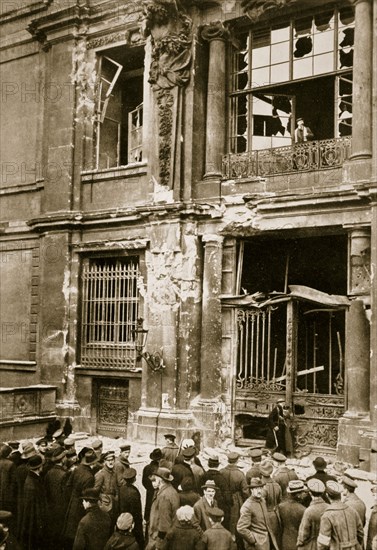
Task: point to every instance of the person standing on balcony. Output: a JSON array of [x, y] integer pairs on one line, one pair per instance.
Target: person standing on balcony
[[302, 133]]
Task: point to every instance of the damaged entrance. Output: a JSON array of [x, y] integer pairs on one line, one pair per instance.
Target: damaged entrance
[[290, 324]]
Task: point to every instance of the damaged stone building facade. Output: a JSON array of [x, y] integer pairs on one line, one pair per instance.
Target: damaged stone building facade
[[151, 169]]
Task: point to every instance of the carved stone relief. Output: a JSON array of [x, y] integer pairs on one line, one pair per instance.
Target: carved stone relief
[[257, 8]]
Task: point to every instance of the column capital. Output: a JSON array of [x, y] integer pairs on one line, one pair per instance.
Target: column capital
[[213, 239], [215, 31]]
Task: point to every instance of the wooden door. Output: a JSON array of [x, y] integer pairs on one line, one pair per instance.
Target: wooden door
[[112, 407]]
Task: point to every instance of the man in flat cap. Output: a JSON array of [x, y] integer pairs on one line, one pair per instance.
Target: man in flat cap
[[217, 537], [351, 498], [164, 508], [171, 449], [122, 463], [55, 484], [105, 483], [309, 527], [253, 525], [123, 537], [340, 526], [94, 528], [237, 492]]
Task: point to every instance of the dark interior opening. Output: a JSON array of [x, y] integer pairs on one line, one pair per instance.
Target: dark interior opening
[[253, 427]]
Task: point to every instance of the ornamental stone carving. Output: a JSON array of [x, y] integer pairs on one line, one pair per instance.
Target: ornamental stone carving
[[255, 9]]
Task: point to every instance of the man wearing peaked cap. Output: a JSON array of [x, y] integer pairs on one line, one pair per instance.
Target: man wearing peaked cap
[[130, 501], [164, 507], [351, 498], [237, 492], [309, 527], [217, 537], [253, 525], [282, 475], [94, 528], [55, 485], [170, 450], [273, 496], [105, 483], [123, 536], [256, 459], [340, 525], [122, 463]]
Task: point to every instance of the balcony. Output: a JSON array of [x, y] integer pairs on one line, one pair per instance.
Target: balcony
[[304, 157]]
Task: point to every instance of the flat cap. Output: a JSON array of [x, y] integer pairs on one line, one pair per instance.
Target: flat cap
[[125, 447], [233, 457], [279, 457], [5, 516], [170, 436], [185, 513], [215, 513], [316, 485], [255, 453], [125, 521], [96, 444], [69, 442], [129, 473]]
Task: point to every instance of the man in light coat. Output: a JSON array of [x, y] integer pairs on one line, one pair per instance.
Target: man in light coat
[[351, 498], [164, 507], [309, 526], [253, 525], [340, 527]]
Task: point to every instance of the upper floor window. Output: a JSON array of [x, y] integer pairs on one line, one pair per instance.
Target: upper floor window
[[301, 68], [120, 107]]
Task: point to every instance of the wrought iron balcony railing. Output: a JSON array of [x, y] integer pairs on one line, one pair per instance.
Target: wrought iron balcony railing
[[303, 157]]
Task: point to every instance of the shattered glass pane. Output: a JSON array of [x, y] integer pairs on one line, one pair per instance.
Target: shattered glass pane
[[324, 21], [242, 81], [303, 26], [303, 46]]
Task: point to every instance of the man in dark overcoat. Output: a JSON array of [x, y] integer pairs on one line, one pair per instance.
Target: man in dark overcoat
[[55, 484], [122, 463], [290, 512], [164, 507], [276, 428], [351, 498], [148, 471], [33, 518], [237, 492], [340, 526], [282, 474], [94, 528], [372, 526], [171, 449], [130, 501], [182, 467], [253, 525], [8, 484], [82, 478], [28, 451], [309, 527]]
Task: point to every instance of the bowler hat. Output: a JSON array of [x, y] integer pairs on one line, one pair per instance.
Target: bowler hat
[[319, 463], [316, 485], [89, 458], [3, 534], [58, 454], [82, 452], [189, 452], [349, 482], [279, 457], [156, 454], [129, 473], [266, 468], [296, 486], [333, 488], [164, 473], [28, 450], [209, 484], [35, 462], [125, 521], [233, 457], [91, 495], [14, 444], [255, 482]]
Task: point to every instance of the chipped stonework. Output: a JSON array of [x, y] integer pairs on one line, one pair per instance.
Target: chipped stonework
[[172, 274], [84, 77]]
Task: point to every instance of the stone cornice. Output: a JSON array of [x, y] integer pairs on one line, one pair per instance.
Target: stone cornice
[[69, 22]]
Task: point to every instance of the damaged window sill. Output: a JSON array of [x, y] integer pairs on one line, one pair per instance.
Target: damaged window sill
[[117, 172], [15, 365]]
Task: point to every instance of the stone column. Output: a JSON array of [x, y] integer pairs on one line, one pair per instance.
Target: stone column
[[210, 378], [216, 34], [359, 262], [357, 360], [373, 338], [362, 81]]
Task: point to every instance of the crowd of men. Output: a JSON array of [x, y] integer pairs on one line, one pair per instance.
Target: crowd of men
[[53, 498]]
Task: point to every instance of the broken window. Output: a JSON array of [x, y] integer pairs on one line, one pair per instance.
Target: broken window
[[292, 282], [110, 309], [298, 68], [120, 107]]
